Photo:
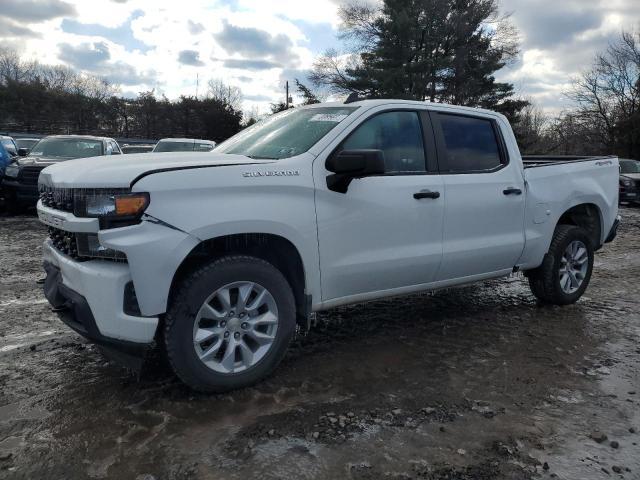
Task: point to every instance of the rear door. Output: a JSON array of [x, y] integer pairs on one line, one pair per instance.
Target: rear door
[[385, 232], [484, 208]]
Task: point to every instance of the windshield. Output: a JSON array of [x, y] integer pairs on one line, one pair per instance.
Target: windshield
[[26, 142], [8, 144], [67, 148], [287, 134], [182, 147], [629, 166]]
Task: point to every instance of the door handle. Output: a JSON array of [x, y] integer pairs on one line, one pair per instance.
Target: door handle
[[512, 191], [426, 194]]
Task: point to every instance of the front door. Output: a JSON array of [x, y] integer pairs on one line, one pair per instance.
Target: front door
[[385, 232]]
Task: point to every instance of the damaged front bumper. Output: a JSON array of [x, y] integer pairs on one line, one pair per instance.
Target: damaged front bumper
[[89, 297]]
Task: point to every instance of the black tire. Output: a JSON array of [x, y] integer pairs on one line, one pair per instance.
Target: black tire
[[544, 281], [191, 294]]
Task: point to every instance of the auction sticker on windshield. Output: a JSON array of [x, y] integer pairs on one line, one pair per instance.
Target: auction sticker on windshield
[[328, 117]]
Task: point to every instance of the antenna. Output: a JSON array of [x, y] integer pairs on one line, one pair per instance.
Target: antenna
[[197, 84]]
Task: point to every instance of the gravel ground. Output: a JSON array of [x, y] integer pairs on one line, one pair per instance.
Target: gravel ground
[[471, 383]]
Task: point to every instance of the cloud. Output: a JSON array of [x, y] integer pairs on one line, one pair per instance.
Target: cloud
[[11, 29], [120, 73], [253, 42], [258, 98], [84, 56], [94, 58], [190, 57], [33, 11], [194, 27], [559, 41], [122, 34], [561, 22], [249, 64]]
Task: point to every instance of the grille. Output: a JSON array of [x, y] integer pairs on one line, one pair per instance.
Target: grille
[[58, 198], [64, 242], [29, 175]]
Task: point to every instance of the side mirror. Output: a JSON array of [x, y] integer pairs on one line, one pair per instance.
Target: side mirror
[[349, 164], [23, 152]]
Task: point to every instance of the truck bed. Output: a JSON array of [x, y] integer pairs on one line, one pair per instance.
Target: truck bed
[[532, 161]]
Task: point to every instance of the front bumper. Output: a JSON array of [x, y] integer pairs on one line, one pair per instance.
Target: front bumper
[[93, 293], [74, 310]]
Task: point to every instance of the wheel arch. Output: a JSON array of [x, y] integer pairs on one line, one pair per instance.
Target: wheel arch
[[587, 216], [275, 249]]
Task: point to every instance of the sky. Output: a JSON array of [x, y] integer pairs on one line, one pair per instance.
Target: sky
[[176, 46]]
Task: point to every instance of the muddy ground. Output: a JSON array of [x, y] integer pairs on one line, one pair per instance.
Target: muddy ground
[[472, 383]]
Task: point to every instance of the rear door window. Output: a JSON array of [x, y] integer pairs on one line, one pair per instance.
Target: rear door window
[[468, 144]]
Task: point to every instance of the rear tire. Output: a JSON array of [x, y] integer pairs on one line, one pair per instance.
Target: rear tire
[[243, 342], [566, 269]]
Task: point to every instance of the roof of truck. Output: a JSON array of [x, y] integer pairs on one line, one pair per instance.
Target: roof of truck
[[388, 101]]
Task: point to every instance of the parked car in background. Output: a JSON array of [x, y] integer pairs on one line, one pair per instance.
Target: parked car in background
[[5, 159], [629, 181], [184, 145], [10, 145], [316, 207], [26, 143], [137, 148], [21, 176]]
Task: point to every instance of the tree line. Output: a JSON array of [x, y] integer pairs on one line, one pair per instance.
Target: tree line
[[47, 99]]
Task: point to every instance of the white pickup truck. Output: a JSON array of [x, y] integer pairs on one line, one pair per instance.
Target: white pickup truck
[[220, 256]]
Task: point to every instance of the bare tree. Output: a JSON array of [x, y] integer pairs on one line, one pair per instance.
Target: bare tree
[[359, 27], [531, 127], [230, 95], [608, 98], [332, 70], [13, 68]]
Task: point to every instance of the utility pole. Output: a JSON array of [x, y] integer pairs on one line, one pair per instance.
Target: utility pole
[[197, 84], [287, 95]]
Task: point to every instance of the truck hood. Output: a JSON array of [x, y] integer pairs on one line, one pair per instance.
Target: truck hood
[[119, 171]]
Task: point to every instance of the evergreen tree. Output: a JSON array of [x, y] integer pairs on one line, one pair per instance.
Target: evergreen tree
[[437, 50], [309, 97]]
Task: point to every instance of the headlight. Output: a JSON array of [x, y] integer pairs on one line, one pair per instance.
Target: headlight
[[116, 205], [627, 182], [12, 171]]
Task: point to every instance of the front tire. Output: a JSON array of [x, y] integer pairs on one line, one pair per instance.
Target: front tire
[[566, 269], [230, 324]]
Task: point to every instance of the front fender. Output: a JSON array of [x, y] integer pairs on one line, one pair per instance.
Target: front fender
[[154, 252]]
